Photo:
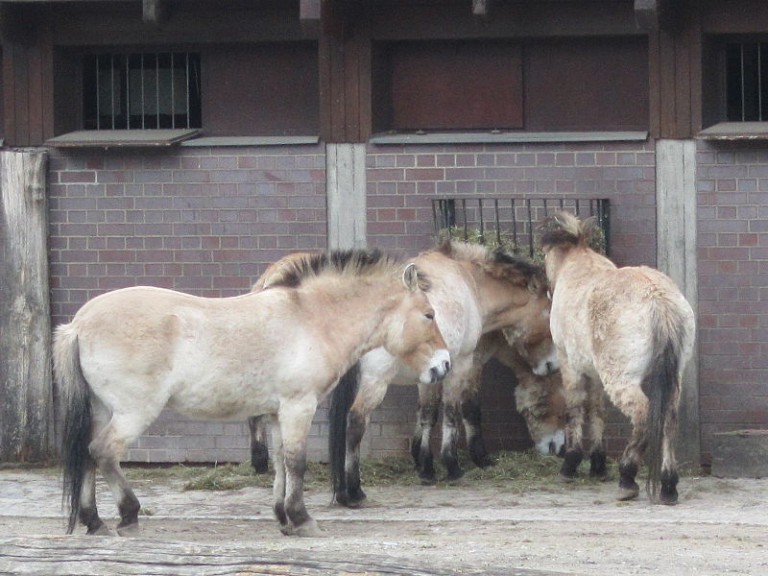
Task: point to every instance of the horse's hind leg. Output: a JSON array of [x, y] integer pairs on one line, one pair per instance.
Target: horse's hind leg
[[107, 448], [259, 449], [89, 515], [429, 406], [370, 396], [575, 387], [669, 475], [596, 425]]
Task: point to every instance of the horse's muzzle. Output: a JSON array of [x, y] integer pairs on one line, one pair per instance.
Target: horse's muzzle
[[439, 369]]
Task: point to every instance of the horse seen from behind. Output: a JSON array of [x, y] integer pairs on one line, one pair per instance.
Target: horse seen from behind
[[129, 353], [626, 331]]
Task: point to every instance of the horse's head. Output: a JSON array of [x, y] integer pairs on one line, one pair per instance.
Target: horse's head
[[562, 232], [412, 333], [515, 294]]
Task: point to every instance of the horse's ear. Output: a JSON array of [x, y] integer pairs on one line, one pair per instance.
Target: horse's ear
[[411, 277]]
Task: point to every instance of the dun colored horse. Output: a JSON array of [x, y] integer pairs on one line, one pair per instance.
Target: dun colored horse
[[538, 398], [628, 331], [128, 354], [474, 291]]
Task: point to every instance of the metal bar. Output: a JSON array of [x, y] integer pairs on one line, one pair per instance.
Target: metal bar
[[98, 96], [759, 84], [157, 90], [187, 87], [498, 223], [464, 211], [127, 92], [173, 91], [112, 87], [482, 221], [530, 225], [514, 223], [143, 95], [743, 97]]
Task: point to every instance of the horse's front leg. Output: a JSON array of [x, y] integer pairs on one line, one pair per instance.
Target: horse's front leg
[[454, 387], [259, 449], [294, 421], [472, 417], [426, 418]]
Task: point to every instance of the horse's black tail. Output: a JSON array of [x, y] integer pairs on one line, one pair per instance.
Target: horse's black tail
[[662, 386], [76, 407], [341, 402]]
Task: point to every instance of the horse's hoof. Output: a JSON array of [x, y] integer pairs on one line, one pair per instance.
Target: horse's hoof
[[129, 530], [102, 530], [485, 462], [455, 474], [309, 529], [668, 499], [348, 501], [628, 493], [565, 479]]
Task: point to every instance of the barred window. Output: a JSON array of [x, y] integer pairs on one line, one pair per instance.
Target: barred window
[[142, 91]]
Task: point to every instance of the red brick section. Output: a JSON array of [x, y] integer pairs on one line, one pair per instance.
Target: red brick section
[[732, 184], [201, 220], [402, 180]]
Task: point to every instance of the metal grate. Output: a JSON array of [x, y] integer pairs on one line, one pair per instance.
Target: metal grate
[[747, 81], [141, 91], [511, 222]]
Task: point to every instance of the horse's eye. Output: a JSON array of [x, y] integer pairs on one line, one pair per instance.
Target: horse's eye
[[430, 315]]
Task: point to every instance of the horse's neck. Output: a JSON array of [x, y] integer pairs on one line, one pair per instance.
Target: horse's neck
[[351, 313], [497, 301]]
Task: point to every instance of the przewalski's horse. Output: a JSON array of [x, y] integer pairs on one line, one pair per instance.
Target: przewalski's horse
[[474, 291], [628, 331], [539, 399], [129, 353]]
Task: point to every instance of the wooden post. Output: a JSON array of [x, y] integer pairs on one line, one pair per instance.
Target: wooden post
[[26, 412], [676, 255]]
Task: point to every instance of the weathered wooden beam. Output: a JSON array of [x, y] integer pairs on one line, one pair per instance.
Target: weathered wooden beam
[[26, 413], [654, 15], [154, 12]]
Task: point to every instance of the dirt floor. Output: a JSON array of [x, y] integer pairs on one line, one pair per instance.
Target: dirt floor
[[719, 527]]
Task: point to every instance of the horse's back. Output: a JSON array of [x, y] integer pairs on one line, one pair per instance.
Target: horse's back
[[610, 323]]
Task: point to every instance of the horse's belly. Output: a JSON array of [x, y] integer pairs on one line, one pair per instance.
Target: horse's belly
[[223, 403]]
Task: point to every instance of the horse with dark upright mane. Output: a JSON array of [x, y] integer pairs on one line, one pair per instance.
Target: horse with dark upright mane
[[538, 398], [128, 354], [475, 290], [627, 331]]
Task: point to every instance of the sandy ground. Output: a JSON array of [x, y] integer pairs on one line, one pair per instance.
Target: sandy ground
[[720, 526]]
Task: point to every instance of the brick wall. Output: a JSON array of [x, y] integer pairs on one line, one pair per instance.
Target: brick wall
[[209, 220], [402, 180], [732, 183]]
